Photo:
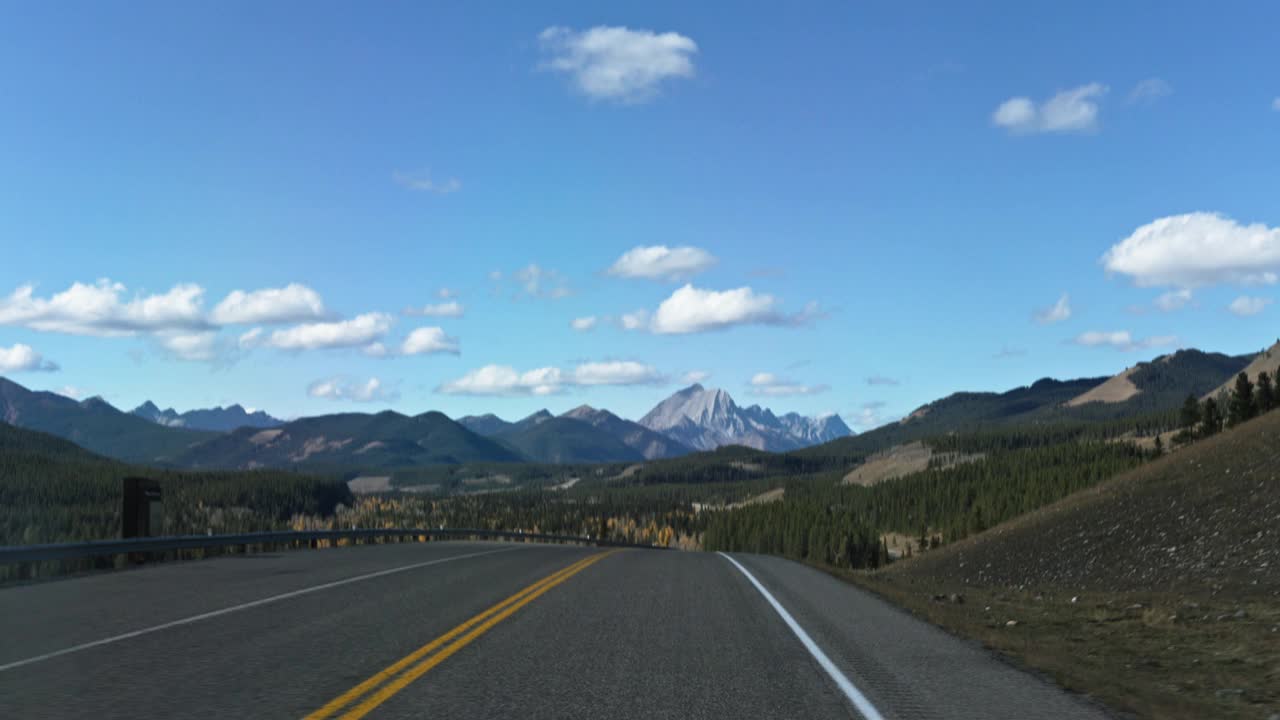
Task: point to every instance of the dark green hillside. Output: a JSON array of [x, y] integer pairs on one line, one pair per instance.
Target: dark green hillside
[[94, 424], [565, 440], [350, 440], [487, 425], [53, 491], [962, 411], [650, 444], [1164, 383]]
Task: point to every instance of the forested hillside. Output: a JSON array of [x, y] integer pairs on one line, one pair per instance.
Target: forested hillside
[[54, 491], [566, 440], [828, 522]]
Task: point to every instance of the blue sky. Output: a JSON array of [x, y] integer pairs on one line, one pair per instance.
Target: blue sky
[[863, 207]]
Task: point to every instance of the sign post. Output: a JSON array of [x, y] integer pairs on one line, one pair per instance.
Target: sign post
[[143, 511]]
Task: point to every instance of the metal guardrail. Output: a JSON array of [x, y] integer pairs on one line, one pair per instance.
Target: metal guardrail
[[21, 554]]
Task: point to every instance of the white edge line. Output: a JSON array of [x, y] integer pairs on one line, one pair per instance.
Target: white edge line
[[855, 696], [242, 606]]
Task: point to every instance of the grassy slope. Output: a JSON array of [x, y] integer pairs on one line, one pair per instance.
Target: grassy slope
[[1268, 360], [1175, 573]]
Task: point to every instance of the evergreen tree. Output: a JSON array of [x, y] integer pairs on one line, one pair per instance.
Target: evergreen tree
[[1210, 418], [1265, 394], [1159, 446], [1241, 407], [1188, 419], [1190, 414]]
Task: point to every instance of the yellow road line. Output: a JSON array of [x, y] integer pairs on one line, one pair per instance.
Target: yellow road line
[[485, 620]]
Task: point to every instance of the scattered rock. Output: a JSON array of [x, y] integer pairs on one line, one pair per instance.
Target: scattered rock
[[1011, 623], [1230, 694]]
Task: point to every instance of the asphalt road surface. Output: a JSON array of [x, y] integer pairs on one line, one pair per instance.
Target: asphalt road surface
[[491, 630]]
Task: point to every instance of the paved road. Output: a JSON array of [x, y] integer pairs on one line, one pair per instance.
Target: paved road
[[490, 630]]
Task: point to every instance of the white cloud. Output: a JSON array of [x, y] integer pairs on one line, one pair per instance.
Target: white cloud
[[1173, 300], [1018, 113], [659, 262], [1060, 311], [360, 330], [584, 324], [869, 416], [882, 380], [451, 308], [376, 350], [691, 310], [1150, 90], [1275, 104], [251, 339], [617, 63], [340, 388], [1245, 306], [99, 309], [1122, 340], [624, 372], [1073, 110], [637, 320], [199, 346], [427, 341], [504, 380], [696, 376], [72, 392], [771, 385], [535, 281], [23, 358], [1197, 249], [292, 303], [422, 182], [445, 293]]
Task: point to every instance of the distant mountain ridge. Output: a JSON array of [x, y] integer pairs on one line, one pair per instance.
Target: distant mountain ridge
[[487, 425], [218, 419], [350, 440], [707, 419], [94, 424], [691, 420], [1166, 381], [543, 437], [650, 444]]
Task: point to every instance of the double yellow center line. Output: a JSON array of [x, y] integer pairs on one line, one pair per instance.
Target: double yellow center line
[[378, 689]]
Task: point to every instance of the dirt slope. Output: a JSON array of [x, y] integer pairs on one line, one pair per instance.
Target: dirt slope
[[1268, 360], [1116, 389]]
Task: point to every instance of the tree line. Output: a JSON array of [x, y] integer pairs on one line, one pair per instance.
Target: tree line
[[1245, 401]]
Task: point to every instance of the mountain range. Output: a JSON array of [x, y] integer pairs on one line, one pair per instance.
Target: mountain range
[[694, 419], [706, 419], [95, 425], [582, 426], [218, 419]]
